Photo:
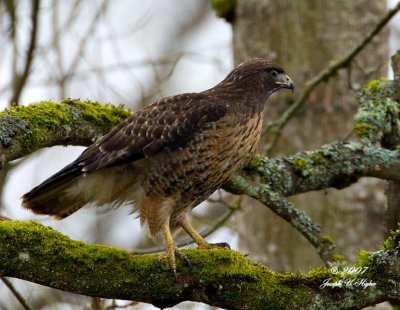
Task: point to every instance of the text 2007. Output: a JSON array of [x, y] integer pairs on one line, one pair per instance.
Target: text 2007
[[349, 270]]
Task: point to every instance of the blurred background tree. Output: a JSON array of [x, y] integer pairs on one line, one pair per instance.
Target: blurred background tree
[[135, 52], [306, 36]]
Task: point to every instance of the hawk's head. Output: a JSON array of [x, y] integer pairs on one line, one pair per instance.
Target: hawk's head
[[259, 74]]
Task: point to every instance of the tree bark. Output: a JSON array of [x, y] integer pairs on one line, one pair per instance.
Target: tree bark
[[304, 37]]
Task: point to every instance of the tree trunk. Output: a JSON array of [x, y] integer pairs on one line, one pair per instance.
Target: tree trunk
[[392, 141], [303, 37]]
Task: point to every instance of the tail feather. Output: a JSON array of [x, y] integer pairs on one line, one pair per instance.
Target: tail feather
[[71, 189], [49, 198]]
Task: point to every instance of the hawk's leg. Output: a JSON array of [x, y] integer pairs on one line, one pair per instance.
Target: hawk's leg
[[201, 242], [171, 250]]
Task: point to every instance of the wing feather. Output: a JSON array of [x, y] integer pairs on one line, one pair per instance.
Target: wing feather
[[170, 122]]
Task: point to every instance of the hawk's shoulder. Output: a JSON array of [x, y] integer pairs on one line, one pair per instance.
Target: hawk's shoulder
[[170, 122]]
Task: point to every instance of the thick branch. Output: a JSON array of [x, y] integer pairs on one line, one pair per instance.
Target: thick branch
[[335, 165], [218, 277]]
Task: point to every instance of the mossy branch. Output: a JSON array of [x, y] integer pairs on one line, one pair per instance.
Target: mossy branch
[[25, 129], [335, 165], [219, 277]]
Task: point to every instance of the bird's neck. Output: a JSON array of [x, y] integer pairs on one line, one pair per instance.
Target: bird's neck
[[241, 100]]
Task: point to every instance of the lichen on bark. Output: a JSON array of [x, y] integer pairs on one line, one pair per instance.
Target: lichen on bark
[[378, 115]]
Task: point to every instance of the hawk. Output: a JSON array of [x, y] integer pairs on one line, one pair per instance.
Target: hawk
[[170, 156]]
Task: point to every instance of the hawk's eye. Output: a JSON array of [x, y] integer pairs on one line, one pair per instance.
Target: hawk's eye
[[274, 73]]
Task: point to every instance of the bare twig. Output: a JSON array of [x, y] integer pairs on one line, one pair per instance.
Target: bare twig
[[96, 304], [84, 40], [274, 129], [115, 306], [20, 79], [4, 218], [16, 294]]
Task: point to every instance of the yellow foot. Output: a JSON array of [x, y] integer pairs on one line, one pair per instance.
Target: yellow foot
[[201, 242], [171, 254]]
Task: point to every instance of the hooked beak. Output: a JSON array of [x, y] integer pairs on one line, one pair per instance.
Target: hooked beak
[[284, 81]]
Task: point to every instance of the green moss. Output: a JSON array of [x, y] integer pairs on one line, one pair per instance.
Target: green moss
[[378, 85], [302, 166], [318, 158], [318, 275], [327, 240], [255, 163], [37, 121], [363, 130], [99, 113], [339, 259], [363, 258], [389, 244], [225, 9], [392, 241], [47, 114]]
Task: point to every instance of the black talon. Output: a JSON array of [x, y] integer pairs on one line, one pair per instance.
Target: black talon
[[184, 258], [187, 262], [221, 245]]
